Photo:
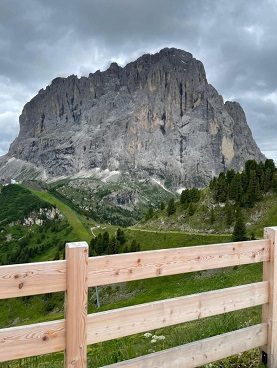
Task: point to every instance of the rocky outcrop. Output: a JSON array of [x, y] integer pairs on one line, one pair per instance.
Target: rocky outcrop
[[157, 116]]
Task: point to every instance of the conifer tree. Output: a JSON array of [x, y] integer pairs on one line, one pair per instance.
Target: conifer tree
[[184, 196], [229, 213], [98, 245], [212, 218], [135, 246], [267, 180], [274, 182], [149, 214], [230, 175], [235, 191], [112, 249], [120, 236], [221, 188], [239, 233], [105, 243], [251, 190], [171, 207]]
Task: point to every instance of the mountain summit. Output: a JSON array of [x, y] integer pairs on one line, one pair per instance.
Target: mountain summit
[[156, 117]]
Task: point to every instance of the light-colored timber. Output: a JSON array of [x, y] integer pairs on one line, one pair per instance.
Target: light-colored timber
[[269, 313], [76, 305], [110, 269], [32, 279], [46, 277], [32, 340], [145, 317], [78, 272], [201, 352]]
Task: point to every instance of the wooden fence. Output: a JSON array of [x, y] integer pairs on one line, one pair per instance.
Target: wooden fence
[[78, 272]]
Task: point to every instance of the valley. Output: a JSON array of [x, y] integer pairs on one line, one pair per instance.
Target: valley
[[35, 224]]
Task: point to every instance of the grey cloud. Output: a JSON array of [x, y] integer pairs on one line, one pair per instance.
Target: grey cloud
[[40, 40]]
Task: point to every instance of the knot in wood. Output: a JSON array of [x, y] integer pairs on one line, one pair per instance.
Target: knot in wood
[[20, 286]]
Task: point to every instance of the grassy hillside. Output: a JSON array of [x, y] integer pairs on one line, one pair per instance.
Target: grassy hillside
[[75, 220], [199, 218], [120, 201], [160, 231], [31, 228], [35, 309]]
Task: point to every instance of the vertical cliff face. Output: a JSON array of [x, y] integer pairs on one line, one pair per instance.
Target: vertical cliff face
[[157, 116]]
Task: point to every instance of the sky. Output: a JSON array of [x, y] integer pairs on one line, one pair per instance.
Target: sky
[[235, 39]]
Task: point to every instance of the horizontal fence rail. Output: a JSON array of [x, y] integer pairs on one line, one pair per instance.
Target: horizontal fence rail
[[47, 277], [145, 317], [202, 351], [78, 272]]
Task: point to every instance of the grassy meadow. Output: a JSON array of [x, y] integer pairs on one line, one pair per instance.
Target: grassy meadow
[[151, 235]]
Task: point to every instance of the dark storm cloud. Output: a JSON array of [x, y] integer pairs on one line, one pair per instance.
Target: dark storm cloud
[[236, 40]]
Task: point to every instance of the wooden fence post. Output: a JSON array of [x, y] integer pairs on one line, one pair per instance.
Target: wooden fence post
[[269, 356], [76, 305]]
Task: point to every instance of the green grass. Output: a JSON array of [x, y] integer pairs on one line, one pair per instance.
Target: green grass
[[262, 214], [50, 307], [152, 239], [157, 289], [73, 218]]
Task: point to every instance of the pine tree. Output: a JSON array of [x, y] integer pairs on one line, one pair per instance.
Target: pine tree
[[92, 247], [105, 242], [184, 196], [135, 246], [149, 214], [120, 236], [162, 207], [229, 213], [113, 248], [98, 245], [235, 191], [274, 182], [171, 207], [239, 233], [269, 164], [251, 190], [212, 218], [221, 188], [267, 180], [230, 175]]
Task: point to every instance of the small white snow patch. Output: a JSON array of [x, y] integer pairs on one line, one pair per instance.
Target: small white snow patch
[[161, 185], [179, 191], [110, 174]]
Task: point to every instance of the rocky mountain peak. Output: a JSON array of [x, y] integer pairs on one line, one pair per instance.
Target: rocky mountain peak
[[157, 116]]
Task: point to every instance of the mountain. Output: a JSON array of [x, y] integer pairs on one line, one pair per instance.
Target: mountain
[[156, 117]]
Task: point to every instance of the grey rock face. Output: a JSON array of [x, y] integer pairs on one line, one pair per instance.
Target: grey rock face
[[157, 116]]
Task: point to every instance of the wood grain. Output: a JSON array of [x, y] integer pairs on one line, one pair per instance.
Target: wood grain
[[76, 305], [141, 265], [201, 352], [32, 340], [47, 277], [269, 313], [32, 278], [145, 317], [78, 272]]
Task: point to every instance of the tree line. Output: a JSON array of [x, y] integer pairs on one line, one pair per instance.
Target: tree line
[[104, 244], [247, 187]]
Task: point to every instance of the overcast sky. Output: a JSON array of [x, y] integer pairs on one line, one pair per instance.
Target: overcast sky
[[235, 39]]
